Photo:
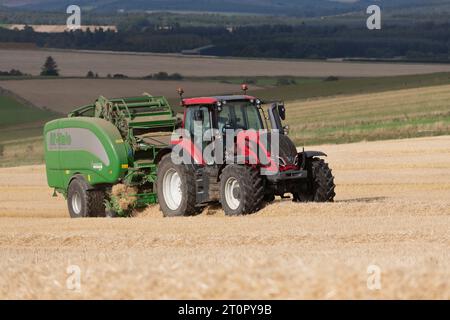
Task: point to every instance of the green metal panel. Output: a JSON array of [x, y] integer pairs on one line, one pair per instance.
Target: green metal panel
[[92, 147], [53, 167]]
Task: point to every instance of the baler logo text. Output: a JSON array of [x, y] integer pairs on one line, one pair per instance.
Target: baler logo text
[[60, 139]]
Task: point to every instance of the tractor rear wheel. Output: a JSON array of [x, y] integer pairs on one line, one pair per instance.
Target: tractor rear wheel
[[241, 190], [83, 201], [176, 188], [321, 183]]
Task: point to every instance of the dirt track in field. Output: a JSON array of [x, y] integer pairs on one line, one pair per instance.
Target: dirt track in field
[[392, 211], [78, 63]]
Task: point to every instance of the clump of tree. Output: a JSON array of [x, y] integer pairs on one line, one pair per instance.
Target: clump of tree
[[12, 73], [2, 150], [331, 78], [120, 76], [50, 68], [164, 76], [92, 75]]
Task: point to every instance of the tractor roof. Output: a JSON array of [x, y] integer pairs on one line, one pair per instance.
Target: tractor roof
[[213, 100]]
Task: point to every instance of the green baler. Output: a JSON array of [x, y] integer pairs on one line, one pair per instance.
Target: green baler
[[111, 142]]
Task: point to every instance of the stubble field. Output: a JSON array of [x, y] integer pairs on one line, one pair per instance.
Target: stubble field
[[392, 212]]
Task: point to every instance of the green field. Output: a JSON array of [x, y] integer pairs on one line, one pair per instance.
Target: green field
[[396, 114], [12, 112], [306, 88], [20, 132]]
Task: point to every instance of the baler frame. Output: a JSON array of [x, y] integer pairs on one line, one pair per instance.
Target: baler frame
[[141, 121]]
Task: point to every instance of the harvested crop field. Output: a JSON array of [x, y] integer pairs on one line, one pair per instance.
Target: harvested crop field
[[63, 95], [392, 213], [78, 63]]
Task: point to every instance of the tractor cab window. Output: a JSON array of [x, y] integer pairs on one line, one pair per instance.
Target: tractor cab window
[[239, 115], [197, 122]]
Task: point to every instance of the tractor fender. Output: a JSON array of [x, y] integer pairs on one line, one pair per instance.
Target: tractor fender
[[312, 154]]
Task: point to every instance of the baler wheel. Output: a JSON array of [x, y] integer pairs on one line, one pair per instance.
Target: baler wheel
[[84, 201]]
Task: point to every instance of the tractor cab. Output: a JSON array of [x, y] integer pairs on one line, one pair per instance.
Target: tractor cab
[[233, 112]]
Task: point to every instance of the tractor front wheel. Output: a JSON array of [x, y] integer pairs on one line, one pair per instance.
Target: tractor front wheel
[[176, 189], [241, 190], [320, 185]]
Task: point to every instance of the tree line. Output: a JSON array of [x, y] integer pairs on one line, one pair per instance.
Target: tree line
[[423, 41], [50, 69]]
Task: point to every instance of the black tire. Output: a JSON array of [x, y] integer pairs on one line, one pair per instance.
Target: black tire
[[250, 193], [321, 187], [268, 198], [187, 206], [83, 201]]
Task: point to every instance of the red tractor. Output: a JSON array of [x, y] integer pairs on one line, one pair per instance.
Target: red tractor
[[243, 170]]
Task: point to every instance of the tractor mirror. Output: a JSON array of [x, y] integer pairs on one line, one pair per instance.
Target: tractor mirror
[[282, 111], [198, 115]]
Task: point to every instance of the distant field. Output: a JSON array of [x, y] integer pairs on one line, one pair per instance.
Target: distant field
[[19, 121], [306, 88], [20, 132], [57, 28], [13, 112], [376, 116], [63, 95], [77, 63]]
